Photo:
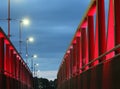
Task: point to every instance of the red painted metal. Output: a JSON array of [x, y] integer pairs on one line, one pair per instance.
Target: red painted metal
[[1, 62], [74, 57], [110, 37], [117, 24], [11, 62], [7, 58], [92, 41], [101, 27], [14, 74], [1, 54], [84, 46], [71, 61], [78, 53], [81, 61], [96, 40]]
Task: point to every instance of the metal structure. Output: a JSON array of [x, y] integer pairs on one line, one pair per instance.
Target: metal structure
[[92, 61], [14, 73], [9, 19]]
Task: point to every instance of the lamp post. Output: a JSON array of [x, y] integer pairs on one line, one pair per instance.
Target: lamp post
[[21, 23], [36, 64], [30, 39], [9, 19], [34, 56]]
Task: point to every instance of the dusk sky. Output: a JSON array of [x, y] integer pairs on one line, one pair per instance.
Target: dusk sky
[[52, 24]]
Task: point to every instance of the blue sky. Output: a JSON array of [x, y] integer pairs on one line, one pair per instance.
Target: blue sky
[[52, 24]]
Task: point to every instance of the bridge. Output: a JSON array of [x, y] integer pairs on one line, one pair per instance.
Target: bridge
[[90, 62], [92, 58], [14, 73]]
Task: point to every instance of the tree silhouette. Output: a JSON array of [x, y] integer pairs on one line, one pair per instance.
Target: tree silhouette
[[43, 83]]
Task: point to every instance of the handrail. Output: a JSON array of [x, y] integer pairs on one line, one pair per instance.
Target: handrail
[[116, 47], [15, 49], [20, 64], [78, 28]]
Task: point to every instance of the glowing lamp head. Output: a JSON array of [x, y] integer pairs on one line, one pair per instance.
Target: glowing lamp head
[[31, 39], [36, 64], [26, 22], [34, 56]]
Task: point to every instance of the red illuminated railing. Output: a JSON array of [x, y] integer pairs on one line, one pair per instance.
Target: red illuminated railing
[[92, 43], [14, 73]]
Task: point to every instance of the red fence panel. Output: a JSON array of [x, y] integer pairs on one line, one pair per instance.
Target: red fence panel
[[14, 73], [94, 51]]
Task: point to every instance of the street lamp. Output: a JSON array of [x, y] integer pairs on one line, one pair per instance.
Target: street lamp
[[9, 18], [34, 56], [30, 39], [21, 23], [36, 64], [26, 21]]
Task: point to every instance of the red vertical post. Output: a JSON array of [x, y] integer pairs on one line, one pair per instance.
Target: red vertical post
[[110, 36], [71, 61], [7, 65], [96, 40], [84, 47], [96, 37], [81, 61], [19, 70], [1, 55], [66, 64], [60, 77], [117, 24], [62, 73], [91, 39], [7, 59], [25, 77], [64, 70], [78, 52], [14, 65], [17, 67], [74, 57], [21, 80], [101, 27], [21, 74], [2, 82], [11, 62]]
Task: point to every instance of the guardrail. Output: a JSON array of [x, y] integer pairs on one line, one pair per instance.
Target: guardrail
[[92, 43], [14, 73]]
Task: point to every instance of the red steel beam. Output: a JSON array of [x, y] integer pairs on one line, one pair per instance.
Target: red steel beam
[[117, 23], [96, 40], [78, 53], [110, 33], [101, 27], [7, 58], [71, 61], [91, 39], [1, 54], [84, 47], [74, 57]]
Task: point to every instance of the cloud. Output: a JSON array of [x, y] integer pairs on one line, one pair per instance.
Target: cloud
[[53, 24], [50, 75]]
